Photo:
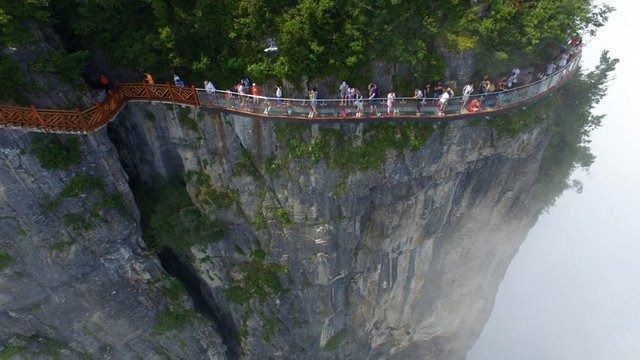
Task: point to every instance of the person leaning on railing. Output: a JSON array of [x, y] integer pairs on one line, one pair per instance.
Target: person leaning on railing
[[148, 79]]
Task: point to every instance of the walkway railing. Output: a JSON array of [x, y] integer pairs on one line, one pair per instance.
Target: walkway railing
[[286, 109]]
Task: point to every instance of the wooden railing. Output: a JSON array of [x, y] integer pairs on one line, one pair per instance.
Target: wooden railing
[[328, 110], [76, 121]]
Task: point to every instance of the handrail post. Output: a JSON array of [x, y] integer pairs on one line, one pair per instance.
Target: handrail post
[[82, 121], [195, 93], [171, 96], [38, 117]]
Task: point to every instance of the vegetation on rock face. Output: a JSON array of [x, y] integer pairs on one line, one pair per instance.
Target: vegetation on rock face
[[340, 151], [572, 122], [170, 219], [209, 195], [37, 347], [53, 153], [175, 316], [5, 260], [336, 340], [258, 280], [569, 115], [103, 200]]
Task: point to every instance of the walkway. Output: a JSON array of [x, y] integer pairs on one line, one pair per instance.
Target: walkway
[[272, 109]]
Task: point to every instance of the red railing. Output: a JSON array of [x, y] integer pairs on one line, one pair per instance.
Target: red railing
[[76, 121]]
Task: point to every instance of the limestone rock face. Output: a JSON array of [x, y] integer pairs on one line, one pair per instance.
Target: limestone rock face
[[398, 262], [76, 279]]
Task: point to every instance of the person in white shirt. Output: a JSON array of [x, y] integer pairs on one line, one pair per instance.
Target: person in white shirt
[[467, 90], [551, 67], [391, 98], [563, 59], [513, 79], [419, 96], [442, 103], [279, 94], [211, 90], [344, 88]]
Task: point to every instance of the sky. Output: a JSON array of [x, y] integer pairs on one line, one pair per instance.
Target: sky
[[573, 289]]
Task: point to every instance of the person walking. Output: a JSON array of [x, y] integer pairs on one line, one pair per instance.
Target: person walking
[[467, 90], [344, 88], [211, 90], [442, 102], [391, 98], [359, 104], [279, 94], [105, 83], [313, 96], [255, 91], [419, 96], [177, 81], [373, 97]]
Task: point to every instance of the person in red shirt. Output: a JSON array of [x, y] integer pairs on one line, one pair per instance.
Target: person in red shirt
[[255, 91], [104, 82], [474, 105]]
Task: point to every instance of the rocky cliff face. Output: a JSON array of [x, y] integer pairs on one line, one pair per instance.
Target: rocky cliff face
[[328, 261], [75, 279]]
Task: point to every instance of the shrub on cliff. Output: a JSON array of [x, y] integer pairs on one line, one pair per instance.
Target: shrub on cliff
[[54, 154], [171, 220]]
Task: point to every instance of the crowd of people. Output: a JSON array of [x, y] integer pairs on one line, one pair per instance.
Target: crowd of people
[[437, 94]]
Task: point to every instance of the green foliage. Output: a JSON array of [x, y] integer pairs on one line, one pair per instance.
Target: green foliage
[[17, 16], [273, 165], [282, 215], [260, 221], [10, 351], [77, 222], [55, 154], [171, 320], [515, 32], [270, 327], [62, 245], [175, 316], [80, 184], [259, 280], [170, 219], [245, 165], [36, 347], [336, 340], [259, 254], [12, 78], [341, 152], [572, 122], [208, 195], [316, 38], [174, 291], [185, 118], [67, 66], [5, 260]]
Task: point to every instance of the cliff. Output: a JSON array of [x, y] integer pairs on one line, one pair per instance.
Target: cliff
[[75, 279], [335, 254]]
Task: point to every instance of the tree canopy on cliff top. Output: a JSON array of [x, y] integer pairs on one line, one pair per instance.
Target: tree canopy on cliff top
[[223, 40]]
